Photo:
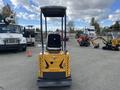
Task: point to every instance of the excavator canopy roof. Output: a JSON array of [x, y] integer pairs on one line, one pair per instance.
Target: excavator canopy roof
[[53, 11]]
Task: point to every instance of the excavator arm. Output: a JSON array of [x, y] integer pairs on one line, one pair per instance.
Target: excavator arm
[[96, 45]]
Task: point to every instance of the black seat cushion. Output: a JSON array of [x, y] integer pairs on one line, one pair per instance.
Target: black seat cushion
[[54, 42]]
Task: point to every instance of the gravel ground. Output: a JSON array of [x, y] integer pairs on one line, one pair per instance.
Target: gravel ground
[[92, 69]]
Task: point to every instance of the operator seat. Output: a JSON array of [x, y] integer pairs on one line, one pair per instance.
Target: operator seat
[[53, 42]]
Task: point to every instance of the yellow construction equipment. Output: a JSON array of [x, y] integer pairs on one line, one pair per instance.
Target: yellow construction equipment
[[111, 43], [54, 62]]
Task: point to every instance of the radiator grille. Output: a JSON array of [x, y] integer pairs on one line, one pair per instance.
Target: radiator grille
[[11, 41]]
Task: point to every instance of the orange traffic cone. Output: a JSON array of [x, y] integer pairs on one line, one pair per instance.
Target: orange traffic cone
[[29, 53]]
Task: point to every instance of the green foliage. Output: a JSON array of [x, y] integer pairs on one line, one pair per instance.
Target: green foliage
[[71, 26], [104, 31], [115, 27], [96, 25], [92, 23], [78, 33]]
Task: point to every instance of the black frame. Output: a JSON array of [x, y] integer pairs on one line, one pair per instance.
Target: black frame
[[57, 11]]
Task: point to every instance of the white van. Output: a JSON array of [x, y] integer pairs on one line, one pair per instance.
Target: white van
[[11, 37]]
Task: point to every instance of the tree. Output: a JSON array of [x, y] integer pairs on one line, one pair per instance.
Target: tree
[[37, 30], [92, 23], [70, 26], [115, 27], [96, 25], [104, 30]]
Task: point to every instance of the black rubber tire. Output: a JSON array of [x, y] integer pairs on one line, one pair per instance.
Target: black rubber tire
[[104, 48], [87, 44], [24, 49], [33, 44], [116, 48], [110, 48], [81, 43]]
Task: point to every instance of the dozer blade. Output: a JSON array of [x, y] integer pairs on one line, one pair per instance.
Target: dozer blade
[[54, 83]]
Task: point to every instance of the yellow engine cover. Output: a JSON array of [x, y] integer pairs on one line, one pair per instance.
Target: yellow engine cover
[[115, 42], [54, 62]]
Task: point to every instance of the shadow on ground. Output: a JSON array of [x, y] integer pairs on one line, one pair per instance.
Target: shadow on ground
[[55, 88], [9, 52]]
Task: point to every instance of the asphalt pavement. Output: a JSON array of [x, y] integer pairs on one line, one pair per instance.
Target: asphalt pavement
[[92, 69]]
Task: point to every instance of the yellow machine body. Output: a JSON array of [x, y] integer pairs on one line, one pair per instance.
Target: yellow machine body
[[115, 42], [52, 62], [114, 39], [110, 43], [54, 69]]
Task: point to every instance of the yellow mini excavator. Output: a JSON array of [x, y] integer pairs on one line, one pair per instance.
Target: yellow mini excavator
[[54, 62], [111, 43]]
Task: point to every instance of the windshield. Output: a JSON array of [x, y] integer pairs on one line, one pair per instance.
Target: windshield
[[10, 28], [90, 29]]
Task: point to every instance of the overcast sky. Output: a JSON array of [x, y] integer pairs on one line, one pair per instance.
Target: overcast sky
[[80, 11]]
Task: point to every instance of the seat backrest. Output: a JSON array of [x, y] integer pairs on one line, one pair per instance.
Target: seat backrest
[[53, 42]]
